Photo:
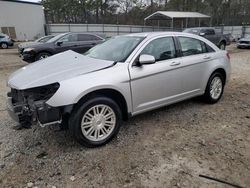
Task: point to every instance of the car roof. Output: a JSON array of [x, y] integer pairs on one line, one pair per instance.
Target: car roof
[[200, 28], [88, 33], [155, 34]]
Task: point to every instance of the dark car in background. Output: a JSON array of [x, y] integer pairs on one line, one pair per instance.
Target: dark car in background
[[23, 45], [220, 40], [78, 42], [5, 41]]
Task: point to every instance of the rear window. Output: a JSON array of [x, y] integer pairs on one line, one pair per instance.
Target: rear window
[[87, 37]]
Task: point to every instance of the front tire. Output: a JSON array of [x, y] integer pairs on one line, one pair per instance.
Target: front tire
[[95, 122], [222, 45], [42, 55], [4, 45], [215, 88]]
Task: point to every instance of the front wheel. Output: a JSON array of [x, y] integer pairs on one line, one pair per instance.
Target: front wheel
[[222, 46], [95, 122], [215, 88], [42, 55], [4, 45]]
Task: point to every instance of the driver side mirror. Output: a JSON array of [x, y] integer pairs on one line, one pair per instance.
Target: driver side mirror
[[145, 59], [202, 34], [59, 43]]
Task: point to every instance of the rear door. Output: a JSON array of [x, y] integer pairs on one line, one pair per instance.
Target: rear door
[[195, 61], [87, 41]]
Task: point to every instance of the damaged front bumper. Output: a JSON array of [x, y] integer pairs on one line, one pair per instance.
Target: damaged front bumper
[[11, 110], [29, 107]]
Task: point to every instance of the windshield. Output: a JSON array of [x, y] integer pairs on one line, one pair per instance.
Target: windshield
[[44, 39], [115, 49], [54, 39]]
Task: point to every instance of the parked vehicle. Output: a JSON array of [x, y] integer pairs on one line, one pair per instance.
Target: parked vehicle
[[31, 43], [5, 41], [244, 43], [220, 40], [122, 77], [78, 42]]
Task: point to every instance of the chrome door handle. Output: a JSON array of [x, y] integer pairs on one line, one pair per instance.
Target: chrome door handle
[[175, 63], [207, 57]]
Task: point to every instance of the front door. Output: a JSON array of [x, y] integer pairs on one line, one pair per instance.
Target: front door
[[156, 84], [68, 42]]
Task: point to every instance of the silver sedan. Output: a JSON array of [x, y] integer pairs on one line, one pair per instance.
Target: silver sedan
[[127, 75]]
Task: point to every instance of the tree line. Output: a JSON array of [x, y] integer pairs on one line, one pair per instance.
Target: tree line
[[222, 12]]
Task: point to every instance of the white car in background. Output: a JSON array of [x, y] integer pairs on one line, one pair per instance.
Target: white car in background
[[122, 77]]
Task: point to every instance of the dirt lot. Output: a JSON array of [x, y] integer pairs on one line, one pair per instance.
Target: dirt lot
[[168, 147]]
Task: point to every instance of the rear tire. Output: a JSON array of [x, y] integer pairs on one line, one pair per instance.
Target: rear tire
[[95, 122], [4, 45], [42, 55], [215, 88]]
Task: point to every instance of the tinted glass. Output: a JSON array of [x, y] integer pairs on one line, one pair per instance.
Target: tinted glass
[[84, 37], [44, 39], [57, 37], [115, 49], [69, 38], [209, 48], [190, 46], [208, 31], [161, 49], [87, 37]]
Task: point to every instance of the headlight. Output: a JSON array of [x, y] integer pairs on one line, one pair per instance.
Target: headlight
[[42, 92], [28, 49]]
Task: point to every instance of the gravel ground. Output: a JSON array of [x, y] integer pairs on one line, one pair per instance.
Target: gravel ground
[[169, 147]]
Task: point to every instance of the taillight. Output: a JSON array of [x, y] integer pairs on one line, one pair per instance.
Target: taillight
[[228, 56]]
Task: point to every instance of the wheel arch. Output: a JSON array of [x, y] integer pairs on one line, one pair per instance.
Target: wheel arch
[[223, 41], [44, 51], [109, 93], [222, 72]]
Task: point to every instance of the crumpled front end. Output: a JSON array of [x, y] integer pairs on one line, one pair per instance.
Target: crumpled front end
[[29, 106]]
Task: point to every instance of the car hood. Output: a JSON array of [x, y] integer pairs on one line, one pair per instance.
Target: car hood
[[55, 69], [28, 44], [245, 39]]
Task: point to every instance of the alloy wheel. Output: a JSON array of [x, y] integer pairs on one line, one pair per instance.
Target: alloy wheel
[[216, 88], [98, 122]]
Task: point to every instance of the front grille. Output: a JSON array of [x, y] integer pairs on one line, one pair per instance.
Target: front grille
[[244, 42]]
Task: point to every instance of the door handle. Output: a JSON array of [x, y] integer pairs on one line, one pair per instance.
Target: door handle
[[207, 57], [175, 63]]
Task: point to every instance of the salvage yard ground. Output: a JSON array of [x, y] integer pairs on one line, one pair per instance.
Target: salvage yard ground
[[169, 147]]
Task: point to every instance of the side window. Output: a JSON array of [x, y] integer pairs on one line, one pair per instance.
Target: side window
[[87, 37], [69, 38], [209, 48], [206, 48], [208, 31], [190, 46], [161, 49], [1, 36]]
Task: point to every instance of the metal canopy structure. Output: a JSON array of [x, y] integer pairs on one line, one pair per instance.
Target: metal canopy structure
[[171, 15]]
